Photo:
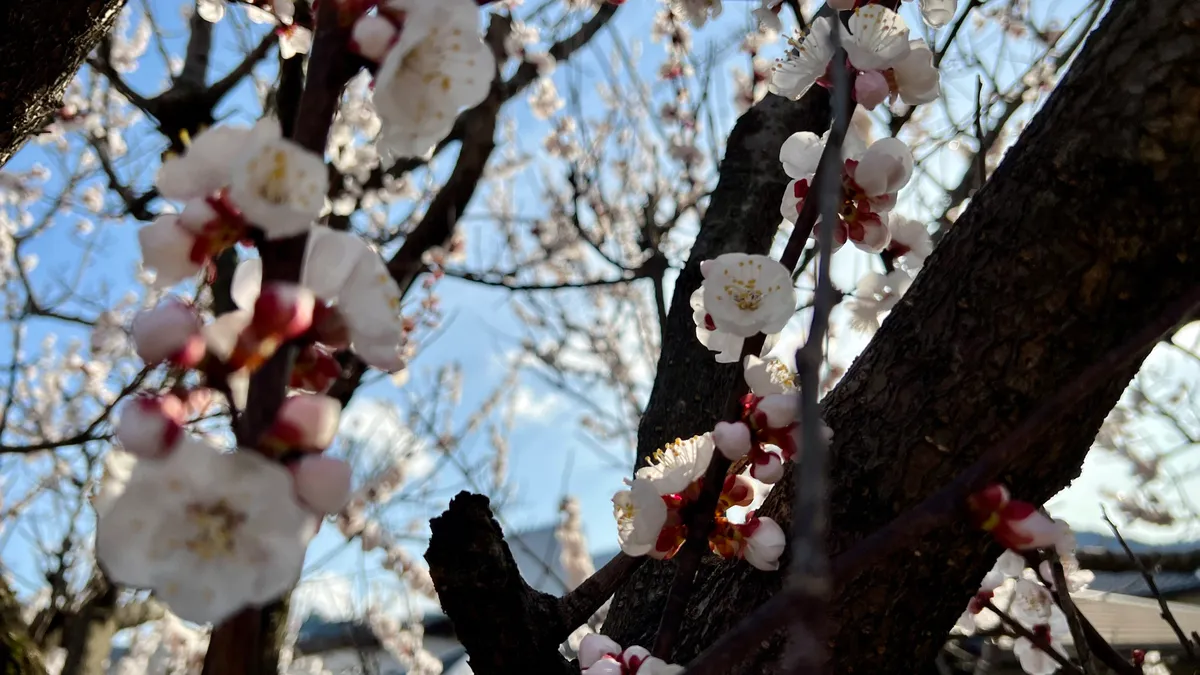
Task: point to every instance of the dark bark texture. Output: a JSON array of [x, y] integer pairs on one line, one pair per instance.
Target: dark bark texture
[[1085, 232], [41, 47]]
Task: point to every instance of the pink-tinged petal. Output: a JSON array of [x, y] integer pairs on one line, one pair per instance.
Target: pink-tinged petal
[[167, 249], [306, 422], [595, 647], [372, 36], [222, 333], [732, 439], [322, 483], [150, 426], [738, 490], [885, 167], [656, 666], [871, 88], [169, 332]]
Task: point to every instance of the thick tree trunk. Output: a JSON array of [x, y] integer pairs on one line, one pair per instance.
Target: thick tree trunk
[[1085, 232], [41, 50]]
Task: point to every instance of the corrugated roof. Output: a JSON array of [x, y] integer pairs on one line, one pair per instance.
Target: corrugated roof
[[1126, 621]]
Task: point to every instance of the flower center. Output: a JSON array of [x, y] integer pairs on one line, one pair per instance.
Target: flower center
[[272, 186], [215, 530]]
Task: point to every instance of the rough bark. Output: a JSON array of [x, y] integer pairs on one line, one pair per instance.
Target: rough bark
[[41, 50], [1086, 231], [19, 654]]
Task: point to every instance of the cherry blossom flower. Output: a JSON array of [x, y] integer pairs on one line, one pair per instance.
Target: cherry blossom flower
[[436, 67], [887, 64], [678, 464], [150, 426], [765, 542], [768, 376], [278, 185], [1015, 524], [1033, 660], [208, 532], [697, 12], [342, 269], [205, 168], [875, 295], [747, 294], [169, 332], [641, 514], [767, 16], [871, 177], [910, 242], [807, 61], [600, 655]]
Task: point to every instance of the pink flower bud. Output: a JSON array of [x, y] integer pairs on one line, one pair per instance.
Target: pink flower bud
[[307, 422], [169, 332], [767, 467], [779, 410], [372, 36], [732, 439], [283, 309], [765, 542], [323, 483], [871, 88], [316, 370], [150, 426]]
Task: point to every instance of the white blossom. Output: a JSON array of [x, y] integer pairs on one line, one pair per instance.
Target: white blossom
[[678, 464], [748, 294], [208, 532], [640, 514], [438, 66]]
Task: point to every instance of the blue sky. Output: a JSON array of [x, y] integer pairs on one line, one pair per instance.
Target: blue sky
[[550, 455]]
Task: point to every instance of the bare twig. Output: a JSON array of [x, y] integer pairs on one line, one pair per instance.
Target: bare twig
[[1071, 613], [808, 577], [1165, 612]]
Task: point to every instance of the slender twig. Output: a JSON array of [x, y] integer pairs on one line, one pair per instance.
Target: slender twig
[[1016, 627], [582, 602], [1166, 614], [808, 577], [1071, 613]]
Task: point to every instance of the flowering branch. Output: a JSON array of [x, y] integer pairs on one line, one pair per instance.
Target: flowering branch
[[1037, 640]]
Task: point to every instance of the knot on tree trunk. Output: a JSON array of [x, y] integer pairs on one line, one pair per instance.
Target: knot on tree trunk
[[505, 625]]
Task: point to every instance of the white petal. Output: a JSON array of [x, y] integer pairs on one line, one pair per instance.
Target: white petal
[[330, 259], [878, 39], [885, 167], [278, 185], [801, 153], [205, 167], [246, 283], [916, 78], [793, 76], [938, 12], [594, 646], [167, 249], [764, 547]]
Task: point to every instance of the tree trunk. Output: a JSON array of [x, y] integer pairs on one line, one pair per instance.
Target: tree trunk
[[19, 654], [1085, 232], [41, 50]]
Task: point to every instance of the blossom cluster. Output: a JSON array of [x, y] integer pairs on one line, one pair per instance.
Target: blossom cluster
[[599, 655]]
